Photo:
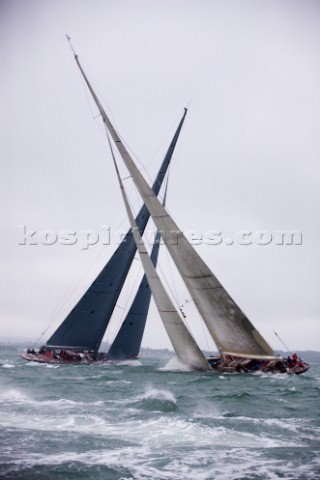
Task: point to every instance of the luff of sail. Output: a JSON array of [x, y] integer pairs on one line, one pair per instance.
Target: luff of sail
[[231, 330], [184, 345], [85, 325]]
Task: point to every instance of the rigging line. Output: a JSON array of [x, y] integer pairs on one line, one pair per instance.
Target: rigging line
[[164, 139], [66, 297], [82, 80], [168, 259], [143, 167], [129, 148], [97, 90], [173, 294], [88, 100], [102, 130], [129, 299], [94, 117], [42, 334], [171, 274], [107, 103], [285, 346], [204, 330], [138, 199]]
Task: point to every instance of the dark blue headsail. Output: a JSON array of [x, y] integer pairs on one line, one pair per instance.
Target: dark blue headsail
[[84, 327], [127, 343]]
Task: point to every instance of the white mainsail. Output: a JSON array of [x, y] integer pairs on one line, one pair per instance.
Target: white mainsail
[[231, 330], [184, 345]]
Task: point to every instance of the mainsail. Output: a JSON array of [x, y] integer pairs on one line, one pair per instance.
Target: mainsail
[[184, 345], [85, 325], [231, 330]]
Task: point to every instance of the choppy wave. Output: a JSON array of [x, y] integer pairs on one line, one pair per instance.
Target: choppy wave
[[121, 422], [158, 400]]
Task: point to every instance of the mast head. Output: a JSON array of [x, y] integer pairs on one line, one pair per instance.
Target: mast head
[[72, 49]]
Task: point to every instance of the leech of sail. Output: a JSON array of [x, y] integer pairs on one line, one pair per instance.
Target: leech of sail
[[228, 325]]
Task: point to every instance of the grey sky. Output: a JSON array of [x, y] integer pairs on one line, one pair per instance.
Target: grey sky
[[247, 159]]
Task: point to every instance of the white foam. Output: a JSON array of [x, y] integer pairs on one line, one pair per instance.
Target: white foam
[[143, 462], [156, 432], [154, 393], [16, 396], [8, 365], [13, 395], [36, 364], [131, 363], [174, 364]]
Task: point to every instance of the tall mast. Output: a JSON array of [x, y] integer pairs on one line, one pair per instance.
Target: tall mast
[[229, 327]]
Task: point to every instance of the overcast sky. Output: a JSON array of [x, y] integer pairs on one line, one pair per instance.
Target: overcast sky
[[247, 159]]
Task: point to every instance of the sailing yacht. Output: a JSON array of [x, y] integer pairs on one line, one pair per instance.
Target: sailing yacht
[[241, 346], [79, 336]]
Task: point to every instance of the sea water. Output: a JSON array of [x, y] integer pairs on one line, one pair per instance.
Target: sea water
[[150, 419]]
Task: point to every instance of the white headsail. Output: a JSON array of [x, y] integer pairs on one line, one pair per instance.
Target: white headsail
[[184, 345], [231, 330]]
